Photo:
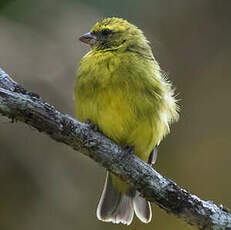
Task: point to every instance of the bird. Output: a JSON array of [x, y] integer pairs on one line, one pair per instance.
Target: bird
[[121, 89]]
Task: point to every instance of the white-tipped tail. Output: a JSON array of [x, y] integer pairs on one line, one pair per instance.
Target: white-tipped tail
[[119, 208], [142, 208], [113, 206]]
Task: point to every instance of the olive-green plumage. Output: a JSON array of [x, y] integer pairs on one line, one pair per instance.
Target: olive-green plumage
[[122, 90]]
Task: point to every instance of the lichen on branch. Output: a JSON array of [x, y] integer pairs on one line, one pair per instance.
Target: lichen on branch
[[25, 106]]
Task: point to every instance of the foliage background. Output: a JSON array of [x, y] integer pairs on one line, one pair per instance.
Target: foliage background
[[45, 185]]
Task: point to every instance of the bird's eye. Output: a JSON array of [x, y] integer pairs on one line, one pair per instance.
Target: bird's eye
[[106, 32]]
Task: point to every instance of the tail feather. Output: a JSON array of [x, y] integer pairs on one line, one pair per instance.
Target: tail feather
[[124, 212], [109, 200], [113, 206], [142, 208], [119, 208]]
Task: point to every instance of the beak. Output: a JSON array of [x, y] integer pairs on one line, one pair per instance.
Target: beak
[[88, 38]]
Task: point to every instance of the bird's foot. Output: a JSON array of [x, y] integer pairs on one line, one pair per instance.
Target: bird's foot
[[130, 149], [92, 126]]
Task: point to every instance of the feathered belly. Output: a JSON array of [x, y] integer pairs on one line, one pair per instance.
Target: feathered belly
[[116, 117]]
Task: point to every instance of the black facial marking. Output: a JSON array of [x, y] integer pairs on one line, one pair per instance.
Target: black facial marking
[[106, 32]]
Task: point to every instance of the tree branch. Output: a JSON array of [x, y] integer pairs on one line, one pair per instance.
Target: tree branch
[[20, 104]]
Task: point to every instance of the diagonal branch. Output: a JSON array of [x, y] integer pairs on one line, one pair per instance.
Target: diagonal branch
[[20, 104]]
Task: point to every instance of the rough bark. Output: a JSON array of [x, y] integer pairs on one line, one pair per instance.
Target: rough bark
[[20, 104]]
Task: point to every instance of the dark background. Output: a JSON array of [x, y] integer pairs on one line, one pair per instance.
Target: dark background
[[46, 185]]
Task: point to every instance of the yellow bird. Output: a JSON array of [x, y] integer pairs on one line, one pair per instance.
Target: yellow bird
[[121, 89]]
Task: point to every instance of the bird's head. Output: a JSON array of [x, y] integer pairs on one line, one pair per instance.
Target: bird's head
[[113, 34]]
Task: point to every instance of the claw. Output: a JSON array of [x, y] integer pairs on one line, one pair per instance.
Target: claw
[[92, 126], [130, 149]]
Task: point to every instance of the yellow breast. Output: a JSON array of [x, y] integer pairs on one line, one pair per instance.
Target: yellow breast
[[115, 97]]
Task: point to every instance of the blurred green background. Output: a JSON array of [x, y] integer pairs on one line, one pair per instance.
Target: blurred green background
[[46, 185]]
